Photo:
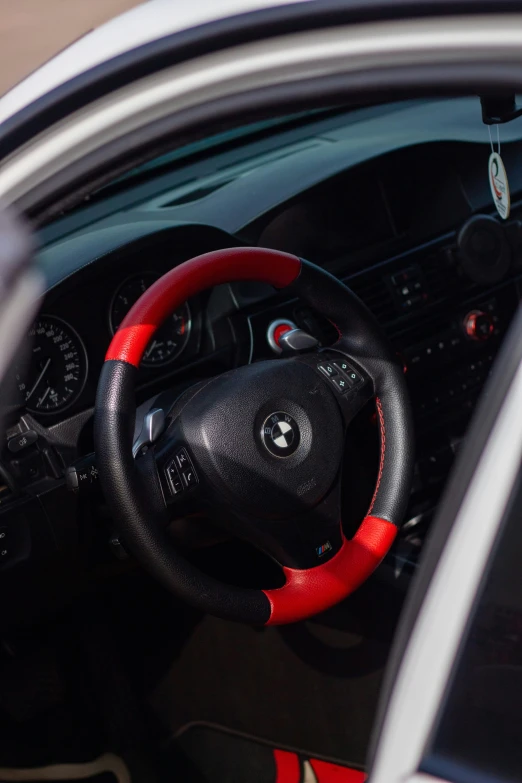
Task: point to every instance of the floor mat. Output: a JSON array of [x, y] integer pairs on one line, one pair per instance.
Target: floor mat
[[312, 685], [221, 756], [108, 768]]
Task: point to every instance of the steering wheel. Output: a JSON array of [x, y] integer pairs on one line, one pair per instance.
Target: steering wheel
[[259, 447]]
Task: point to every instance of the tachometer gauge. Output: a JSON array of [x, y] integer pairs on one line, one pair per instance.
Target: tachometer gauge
[[57, 367], [170, 339]]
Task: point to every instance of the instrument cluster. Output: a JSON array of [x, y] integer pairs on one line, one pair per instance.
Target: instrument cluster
[[55, 375], [170, 340]]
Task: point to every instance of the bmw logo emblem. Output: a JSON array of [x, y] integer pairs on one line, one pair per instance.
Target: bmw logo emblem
[[280, 434]]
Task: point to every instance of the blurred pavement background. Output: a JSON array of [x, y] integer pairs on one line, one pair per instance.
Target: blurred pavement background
[[32, 31]]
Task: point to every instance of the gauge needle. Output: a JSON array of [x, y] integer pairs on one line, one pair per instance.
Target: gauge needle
[[151, 348], [44, 395], [155, 344], [45, 368]]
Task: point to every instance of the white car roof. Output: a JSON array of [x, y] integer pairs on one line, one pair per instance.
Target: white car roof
[[148, 22]]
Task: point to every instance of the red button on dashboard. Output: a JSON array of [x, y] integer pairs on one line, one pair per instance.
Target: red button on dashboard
[[276, 330], [478, 325], [280, 330]]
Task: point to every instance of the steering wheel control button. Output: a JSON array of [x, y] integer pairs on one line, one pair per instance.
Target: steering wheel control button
[[190, 478], [354, 377], [341, 384], [280, 434], [342, 375], [276, 330], [175, 483], [180, 473], [342, 366], [182, 459], [327, 369]]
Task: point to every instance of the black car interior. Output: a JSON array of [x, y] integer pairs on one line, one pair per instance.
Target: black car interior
[[391, 200]]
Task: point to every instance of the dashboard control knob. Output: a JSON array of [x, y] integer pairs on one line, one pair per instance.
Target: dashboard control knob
[[478, 325], [276, 330]]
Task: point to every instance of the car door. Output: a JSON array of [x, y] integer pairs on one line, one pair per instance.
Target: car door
[[451, 709]]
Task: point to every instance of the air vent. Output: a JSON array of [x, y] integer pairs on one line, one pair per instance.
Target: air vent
[[437, 277], [442, 277], [377, 297]]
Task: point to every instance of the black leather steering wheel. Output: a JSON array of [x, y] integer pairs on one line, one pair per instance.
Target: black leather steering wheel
[[259, 447]]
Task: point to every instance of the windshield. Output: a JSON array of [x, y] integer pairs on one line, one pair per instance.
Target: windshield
[[362, 132], [227, 179], [213, 142]]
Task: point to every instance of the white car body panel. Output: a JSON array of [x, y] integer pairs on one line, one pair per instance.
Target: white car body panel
[[148, 22]]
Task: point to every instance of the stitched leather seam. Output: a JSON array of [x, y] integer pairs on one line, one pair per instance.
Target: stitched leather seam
[[383, 452], [337, 328]]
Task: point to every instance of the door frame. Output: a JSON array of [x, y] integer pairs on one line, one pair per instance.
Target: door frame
[[217, 34], [453, 567]]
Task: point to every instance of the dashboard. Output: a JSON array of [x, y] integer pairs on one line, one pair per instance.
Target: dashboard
[[443, 282]]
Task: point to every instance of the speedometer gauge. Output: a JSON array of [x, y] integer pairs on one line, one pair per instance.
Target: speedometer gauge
[[170, 339], [57, 368]]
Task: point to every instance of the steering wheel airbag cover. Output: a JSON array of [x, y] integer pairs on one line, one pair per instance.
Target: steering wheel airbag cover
[[222, 429]]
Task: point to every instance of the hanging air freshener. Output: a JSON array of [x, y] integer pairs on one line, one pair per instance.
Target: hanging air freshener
[[498, 181]]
